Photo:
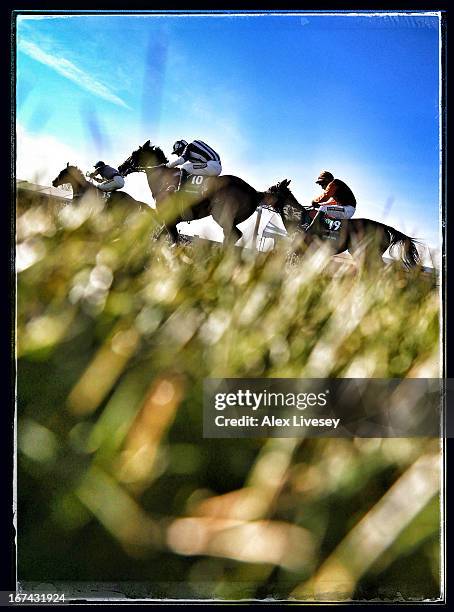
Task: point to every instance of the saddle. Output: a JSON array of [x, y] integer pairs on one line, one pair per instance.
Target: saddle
[[312, 214]]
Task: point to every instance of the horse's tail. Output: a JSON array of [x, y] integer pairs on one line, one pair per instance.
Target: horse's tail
[[408, 251]]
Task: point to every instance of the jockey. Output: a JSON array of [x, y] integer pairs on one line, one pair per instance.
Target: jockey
[[337, 200], [110, 180], [195, 158]]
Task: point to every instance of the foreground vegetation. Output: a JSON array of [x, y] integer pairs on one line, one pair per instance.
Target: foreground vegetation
[[115, 334]]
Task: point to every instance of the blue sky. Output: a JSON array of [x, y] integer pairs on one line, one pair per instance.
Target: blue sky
[[278, 96]]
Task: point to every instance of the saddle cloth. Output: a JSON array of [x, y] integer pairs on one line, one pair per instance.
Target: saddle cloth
[[194, 184]]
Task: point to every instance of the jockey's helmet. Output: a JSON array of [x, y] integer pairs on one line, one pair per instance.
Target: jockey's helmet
[[179, 146], [99, 164], [324, 177]]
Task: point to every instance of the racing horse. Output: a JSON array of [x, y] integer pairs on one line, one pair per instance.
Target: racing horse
[[360, 237], [82, 188], [228, 199]]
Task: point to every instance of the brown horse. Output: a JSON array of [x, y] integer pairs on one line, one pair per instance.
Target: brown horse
[[360, 237], [228, 199], [82, 188]]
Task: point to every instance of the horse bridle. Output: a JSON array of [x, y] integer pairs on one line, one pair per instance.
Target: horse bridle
[[276, 210], [141, 169]]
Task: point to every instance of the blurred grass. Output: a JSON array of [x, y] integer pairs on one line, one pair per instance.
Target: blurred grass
[[115, 334]]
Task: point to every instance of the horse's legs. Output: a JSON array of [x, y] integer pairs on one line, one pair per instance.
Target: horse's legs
[[231, 234], [169, 224], [224, 209], [173, 232]]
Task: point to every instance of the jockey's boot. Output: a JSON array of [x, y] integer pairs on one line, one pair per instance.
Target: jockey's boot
[[317, 226], [183, 176]]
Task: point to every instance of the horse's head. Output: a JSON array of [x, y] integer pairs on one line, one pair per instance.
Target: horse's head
[[278, 195], [65, 176], [145, 156]]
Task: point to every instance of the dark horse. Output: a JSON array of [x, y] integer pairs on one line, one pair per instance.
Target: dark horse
[[81, 188], [228, 199], [364, 237]]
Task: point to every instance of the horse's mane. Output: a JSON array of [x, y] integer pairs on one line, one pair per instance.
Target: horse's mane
[[77, 170], [159, 152], [284, 191]]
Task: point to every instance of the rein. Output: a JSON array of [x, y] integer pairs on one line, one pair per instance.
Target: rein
[[144, 168], [274, 209], [154, 193], [81, 191], [268, 207]]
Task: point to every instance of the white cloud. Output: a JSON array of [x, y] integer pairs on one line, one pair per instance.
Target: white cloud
[[40, 157], [70, 71]]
